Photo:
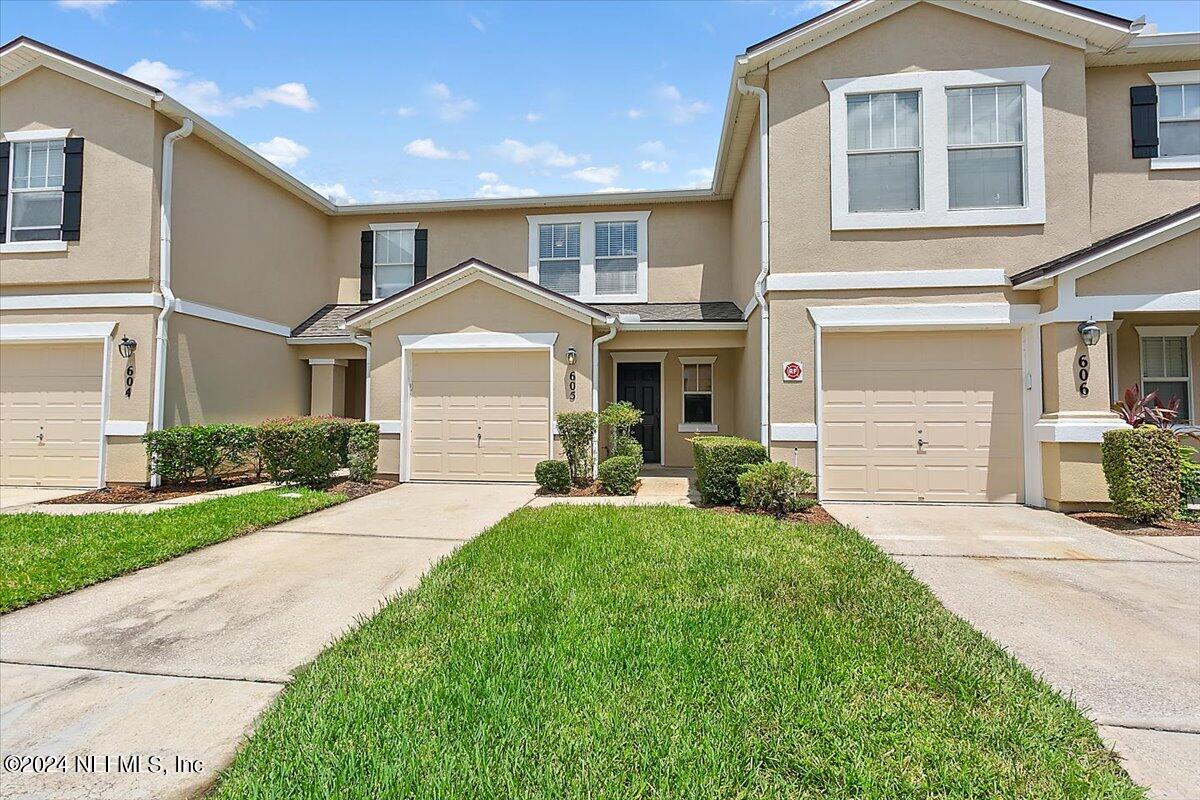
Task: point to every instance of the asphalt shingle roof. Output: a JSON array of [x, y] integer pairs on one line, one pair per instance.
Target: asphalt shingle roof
[[326, 321]]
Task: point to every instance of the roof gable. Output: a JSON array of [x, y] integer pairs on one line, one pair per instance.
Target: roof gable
[[464, 274], [23, 55]]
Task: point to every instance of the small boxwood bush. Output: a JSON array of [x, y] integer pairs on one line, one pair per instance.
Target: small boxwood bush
[[629, 447], [188, 452], [362, 451], [719, 461], [618, 474], [620, 419], [576, 430], [553, 475], [1189, 478], [1142, 467], [304, 450], [775, 488]]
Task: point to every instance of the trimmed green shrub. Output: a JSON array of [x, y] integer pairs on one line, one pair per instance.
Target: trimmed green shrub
[[304, 450], [719, 461], [553, 475], [1142, 467], [187, 452], [362, 451], [620, 419], [618, 474], [1189, 478], [630, 448], [775, 488], [576, 430]]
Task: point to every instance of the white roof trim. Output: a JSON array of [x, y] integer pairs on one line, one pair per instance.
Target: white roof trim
[[477, 340], [24, 56], [458, 277]]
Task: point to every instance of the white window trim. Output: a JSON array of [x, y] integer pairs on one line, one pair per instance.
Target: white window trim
[[376, 227], [1184, 332], [42, 246], [698, 427], [587, 252], [1174, 79], [935, 169]]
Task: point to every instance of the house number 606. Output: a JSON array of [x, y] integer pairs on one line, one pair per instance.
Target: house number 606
[[1083, 375]]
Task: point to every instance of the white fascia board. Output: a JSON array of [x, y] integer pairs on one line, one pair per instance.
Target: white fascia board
[[215, 314], [946, 315], [77, 68], [477, 340], [537, 201], [637, 356], [125, 427], [37, 135], [1055, 430], [683, 326], [30, 302], [794, 431], [302, 340], [885, 279], [55, 331]]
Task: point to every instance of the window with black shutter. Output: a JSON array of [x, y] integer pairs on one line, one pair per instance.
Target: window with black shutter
[[42, 190]]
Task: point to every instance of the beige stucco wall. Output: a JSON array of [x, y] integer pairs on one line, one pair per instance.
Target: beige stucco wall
[[119, 226], [222, 373], [1062, 348], [801, 236], [477, 306], [746, 224], [1125, 191], [1072, 476], [1170, 267], [688, 245]]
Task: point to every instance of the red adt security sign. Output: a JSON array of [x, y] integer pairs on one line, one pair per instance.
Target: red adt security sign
[[793, 371]]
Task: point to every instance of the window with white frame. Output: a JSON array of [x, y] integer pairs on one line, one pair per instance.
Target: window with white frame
[[395, 260], [35, 211], [592, 257], [986, 147], [1179, 120], [884, 158], [698, 393], [937, 149], [1166, 368]]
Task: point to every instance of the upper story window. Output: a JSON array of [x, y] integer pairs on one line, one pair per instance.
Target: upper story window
[[395, 260], [593, 257], [1179, 119], [42, 176], [937, 149], [1166, 120]]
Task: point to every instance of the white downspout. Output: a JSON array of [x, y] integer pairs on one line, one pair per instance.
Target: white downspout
[[366, 344], [596, 389], [164, 278], [760, 283]]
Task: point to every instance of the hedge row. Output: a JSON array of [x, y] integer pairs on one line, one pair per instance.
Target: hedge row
[[719, 462]]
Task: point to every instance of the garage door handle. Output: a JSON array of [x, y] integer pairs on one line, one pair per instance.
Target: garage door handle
[[41, 435], [921, 443]]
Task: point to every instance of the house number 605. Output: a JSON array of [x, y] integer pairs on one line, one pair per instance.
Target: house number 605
[[571, 385], [1083, 375]]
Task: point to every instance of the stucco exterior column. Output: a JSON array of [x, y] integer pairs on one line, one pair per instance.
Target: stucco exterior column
[[1075, 389], [328, 387]]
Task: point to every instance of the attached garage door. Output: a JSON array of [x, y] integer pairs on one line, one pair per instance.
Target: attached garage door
[[479, 416], [922, 416], [50, 414]]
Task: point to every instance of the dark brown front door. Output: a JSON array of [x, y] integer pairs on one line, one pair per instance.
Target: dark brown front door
[[639, 384]]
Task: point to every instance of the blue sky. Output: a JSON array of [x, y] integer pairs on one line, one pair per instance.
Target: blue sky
[[375, 101]]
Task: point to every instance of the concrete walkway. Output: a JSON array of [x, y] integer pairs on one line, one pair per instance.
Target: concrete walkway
[[40, 496], [176, 662], [1111, 621]]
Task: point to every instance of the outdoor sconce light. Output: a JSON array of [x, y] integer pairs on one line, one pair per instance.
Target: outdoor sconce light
[[127, 346], [572, 356], [1090, 332]]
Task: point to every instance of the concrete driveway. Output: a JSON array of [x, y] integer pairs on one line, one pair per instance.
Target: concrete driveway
[[1111, 621], [160, 674]]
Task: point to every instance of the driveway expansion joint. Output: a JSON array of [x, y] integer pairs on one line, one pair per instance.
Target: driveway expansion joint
[[1056, 559], [1164, 727], [146, 674], [372, 535]]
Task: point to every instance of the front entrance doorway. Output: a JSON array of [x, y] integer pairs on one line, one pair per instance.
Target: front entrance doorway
[[641, 384]]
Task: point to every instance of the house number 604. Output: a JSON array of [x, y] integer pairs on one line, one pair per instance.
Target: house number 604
[[1083, 375]]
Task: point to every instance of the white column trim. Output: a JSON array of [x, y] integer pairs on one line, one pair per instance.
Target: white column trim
[[794, 431], [125, 427], [885, 279]]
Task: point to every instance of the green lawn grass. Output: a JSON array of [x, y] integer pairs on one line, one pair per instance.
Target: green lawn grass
[[602, 652], [42, 556]]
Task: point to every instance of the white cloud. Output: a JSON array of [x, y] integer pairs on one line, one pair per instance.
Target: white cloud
[[602, 175], [450, 107], [654, 166], [678, 109], [806, 6], [93, 8], [215, 5], [635, 113], [427, 148], [334, 192], [405, 111], [488, 177], [404, 195], [477, 23], [701, 178], [281, 151], [532, 116], [498, 188], [206, 97], [245, 20], [542, 154], [654, 147]]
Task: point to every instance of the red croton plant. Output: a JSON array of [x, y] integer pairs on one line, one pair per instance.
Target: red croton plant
[[1137, 410]]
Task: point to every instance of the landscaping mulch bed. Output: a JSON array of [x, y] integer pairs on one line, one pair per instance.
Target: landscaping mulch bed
[[1118, 524], [816, 515], [354, 490], [124, 493], [591, 490]]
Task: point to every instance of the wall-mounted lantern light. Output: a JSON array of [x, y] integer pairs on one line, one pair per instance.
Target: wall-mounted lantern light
[[126, 347], [1090, 332], [572, 356]]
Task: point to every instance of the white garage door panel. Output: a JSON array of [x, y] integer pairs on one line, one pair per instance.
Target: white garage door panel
[[54, 390], [958, 391], [479, 416]]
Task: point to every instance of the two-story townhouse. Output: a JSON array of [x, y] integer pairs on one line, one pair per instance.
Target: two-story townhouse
[[924, 269]]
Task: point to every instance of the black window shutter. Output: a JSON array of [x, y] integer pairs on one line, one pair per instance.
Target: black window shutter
[[420, 254], [3, 191], [72, 189], [366, 267], [1143, 120]]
